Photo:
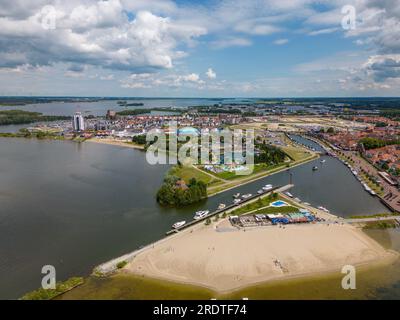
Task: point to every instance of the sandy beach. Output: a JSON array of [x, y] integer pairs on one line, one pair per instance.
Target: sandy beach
[[115, 143], [224, 258]]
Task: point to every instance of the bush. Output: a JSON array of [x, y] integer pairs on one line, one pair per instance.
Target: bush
[[47, 294], [121, 264]]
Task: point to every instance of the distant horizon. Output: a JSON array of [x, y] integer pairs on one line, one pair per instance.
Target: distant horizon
[[205, 98]]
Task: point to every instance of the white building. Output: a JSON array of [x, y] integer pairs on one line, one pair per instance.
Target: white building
[[78, 122]]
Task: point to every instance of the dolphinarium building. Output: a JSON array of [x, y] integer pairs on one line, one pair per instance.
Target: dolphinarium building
[[78, 122]]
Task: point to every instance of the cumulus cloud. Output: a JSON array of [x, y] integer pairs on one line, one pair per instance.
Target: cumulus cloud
[[211, 74], [383, 67], [97, 33]]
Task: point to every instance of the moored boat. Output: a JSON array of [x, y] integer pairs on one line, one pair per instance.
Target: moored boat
[[267, 187], [178, 224], [237, 195], [200, 214], [221, 206]]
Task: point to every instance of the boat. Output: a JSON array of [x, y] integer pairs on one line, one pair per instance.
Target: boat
[[236, 201], [307, 204], [237, 195], [246, 196], [323, 161], [323, 209], [200, 214], [372, 192], [315, 168], [221, 206], [297, 199], [260, 191], [289, 194], [267, 187], [178, 224]]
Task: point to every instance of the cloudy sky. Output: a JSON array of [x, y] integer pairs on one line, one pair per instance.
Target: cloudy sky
[[208, 48]]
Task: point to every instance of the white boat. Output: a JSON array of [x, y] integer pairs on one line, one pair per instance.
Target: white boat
[[323, 161], [315, 168], [323, 209], [289, 194], [178, 224], [297, 199], [200, 214], [260, 191], [221, 206], [236, 201], [246, 196], [372, 192], [237, 195], [354, 172], [307, 204], [267, 187]]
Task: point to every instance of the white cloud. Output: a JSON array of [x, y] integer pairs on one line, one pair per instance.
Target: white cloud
[[281, 42], [98, 33], [211, 74], [231, 42], [323, 31]]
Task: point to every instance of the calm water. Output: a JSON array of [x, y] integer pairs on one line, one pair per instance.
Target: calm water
[[100, 108], [76, 205]]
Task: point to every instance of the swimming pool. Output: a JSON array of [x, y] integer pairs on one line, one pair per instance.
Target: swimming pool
[[279, 203]]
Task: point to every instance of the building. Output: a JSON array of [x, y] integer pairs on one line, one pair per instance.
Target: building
[[111, 115], [78, 123]]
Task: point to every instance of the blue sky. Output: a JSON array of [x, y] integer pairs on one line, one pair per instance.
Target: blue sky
[[227, 48]]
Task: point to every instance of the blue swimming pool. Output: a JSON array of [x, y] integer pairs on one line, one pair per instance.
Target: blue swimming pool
[[279, 203]]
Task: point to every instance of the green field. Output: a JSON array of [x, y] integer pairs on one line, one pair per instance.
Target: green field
[[296, 154], [188, 172]]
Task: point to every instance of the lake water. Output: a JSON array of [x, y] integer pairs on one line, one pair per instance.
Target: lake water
[[99, 108], [75, 205]]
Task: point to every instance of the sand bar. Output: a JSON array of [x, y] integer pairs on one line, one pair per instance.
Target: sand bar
[[224, 258]]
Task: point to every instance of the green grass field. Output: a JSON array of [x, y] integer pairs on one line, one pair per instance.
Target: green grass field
[[187, 172], [296, 154]]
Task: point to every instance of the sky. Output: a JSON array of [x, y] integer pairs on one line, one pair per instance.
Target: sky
[[209, 48]]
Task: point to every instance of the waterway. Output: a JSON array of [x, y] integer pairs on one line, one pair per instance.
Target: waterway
[[99, 108], [75, 206]]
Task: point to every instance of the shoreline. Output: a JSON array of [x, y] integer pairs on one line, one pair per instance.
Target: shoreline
[[361, 267], [115, 143], [187, 257]]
